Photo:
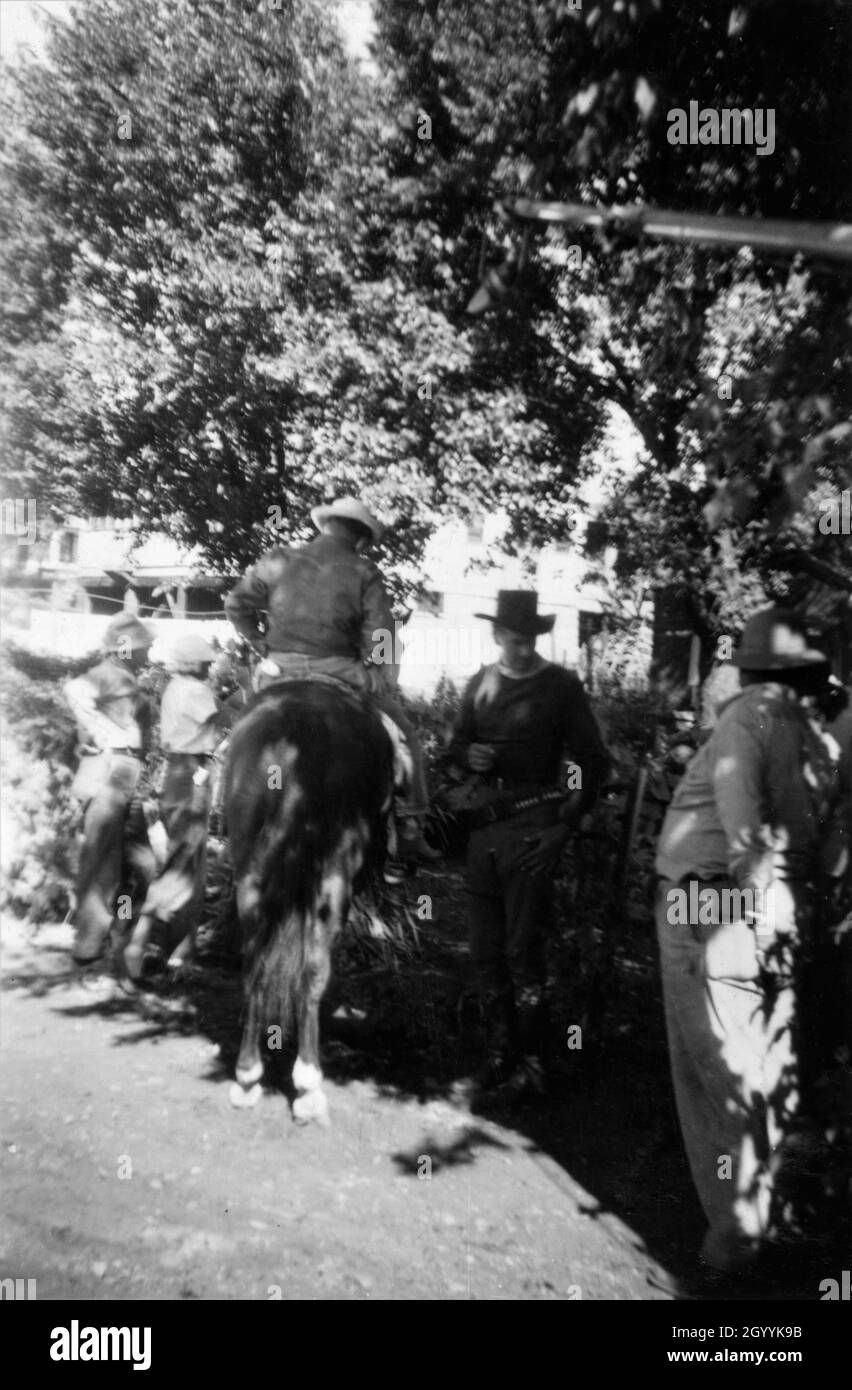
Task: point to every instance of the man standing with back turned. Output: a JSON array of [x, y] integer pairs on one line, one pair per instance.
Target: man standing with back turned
[[741, 856]]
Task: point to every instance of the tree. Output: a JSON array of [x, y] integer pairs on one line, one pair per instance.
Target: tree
[[243, 281], [151, 151], [733, 370], [218, 324]]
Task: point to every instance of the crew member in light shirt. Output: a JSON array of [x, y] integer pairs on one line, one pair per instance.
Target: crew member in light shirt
[[113, 719], [757, 813], [191, 722]]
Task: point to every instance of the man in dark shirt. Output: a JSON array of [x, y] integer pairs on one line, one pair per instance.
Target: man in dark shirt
[[520, 720], [328, 613]]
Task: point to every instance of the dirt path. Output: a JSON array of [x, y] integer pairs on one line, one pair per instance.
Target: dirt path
[[125, 1173]]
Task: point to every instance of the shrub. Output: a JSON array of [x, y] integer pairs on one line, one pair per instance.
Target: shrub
[[40, 815], [44, 666], [433, 718], [37, 716], [39, 842]]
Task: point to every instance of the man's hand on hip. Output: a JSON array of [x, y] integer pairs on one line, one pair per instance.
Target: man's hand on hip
[[544, 849]]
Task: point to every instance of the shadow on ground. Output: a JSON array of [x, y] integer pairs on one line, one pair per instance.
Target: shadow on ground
[[400, 1019]]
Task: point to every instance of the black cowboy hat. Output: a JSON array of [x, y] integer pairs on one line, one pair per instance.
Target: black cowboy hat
[[517, 611], [775, 639]]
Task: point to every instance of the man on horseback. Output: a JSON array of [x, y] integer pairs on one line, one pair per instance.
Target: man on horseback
[[327, 614]]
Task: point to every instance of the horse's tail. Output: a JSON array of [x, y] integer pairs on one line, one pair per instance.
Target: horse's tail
[[291, 853]]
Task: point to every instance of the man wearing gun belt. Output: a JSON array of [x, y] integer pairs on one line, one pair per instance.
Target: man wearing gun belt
[[520, 718]]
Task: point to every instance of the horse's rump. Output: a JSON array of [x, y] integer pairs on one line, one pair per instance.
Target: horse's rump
[[308, 784]]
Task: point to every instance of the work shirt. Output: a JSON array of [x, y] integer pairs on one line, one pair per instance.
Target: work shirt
[[755, 800], [108, 706], [533, 722], [839, 735], [188, 717], [841, 732], [322, 599]]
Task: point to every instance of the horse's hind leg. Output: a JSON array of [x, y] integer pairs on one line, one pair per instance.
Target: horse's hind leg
[[247, 1090], [329, 919], [311, 1102], [333, 905]]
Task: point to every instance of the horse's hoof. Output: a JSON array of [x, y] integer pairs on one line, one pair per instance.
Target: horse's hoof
[[243, 1098], [306, 1077], [311, 1106]]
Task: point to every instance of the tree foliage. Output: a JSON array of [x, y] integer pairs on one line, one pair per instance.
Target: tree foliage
[[218, 323], [236, 270], [733, 370]]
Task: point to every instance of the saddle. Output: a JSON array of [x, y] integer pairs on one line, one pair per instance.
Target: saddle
[[312, 677], [403, 765]]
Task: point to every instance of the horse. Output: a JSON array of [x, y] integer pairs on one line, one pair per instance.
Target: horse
[[309, 780]]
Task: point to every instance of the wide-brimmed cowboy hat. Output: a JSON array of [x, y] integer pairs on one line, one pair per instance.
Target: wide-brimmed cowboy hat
[[775, 639], [125, 633], [188, 649], [517, 611], [348, 509]]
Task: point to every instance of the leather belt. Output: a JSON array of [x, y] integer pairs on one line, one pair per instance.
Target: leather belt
[[505, 784], [701, 878]]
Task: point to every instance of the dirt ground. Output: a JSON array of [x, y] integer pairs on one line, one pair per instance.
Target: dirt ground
[[126, 1174]]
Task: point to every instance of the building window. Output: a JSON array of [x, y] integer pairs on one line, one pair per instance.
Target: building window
[[69, 543], [589, 625]]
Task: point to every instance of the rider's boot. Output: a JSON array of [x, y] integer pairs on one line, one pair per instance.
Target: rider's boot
[[406, 848], [412, 845]]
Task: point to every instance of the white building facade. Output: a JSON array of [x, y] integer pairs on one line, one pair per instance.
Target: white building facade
[[90, 569]]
